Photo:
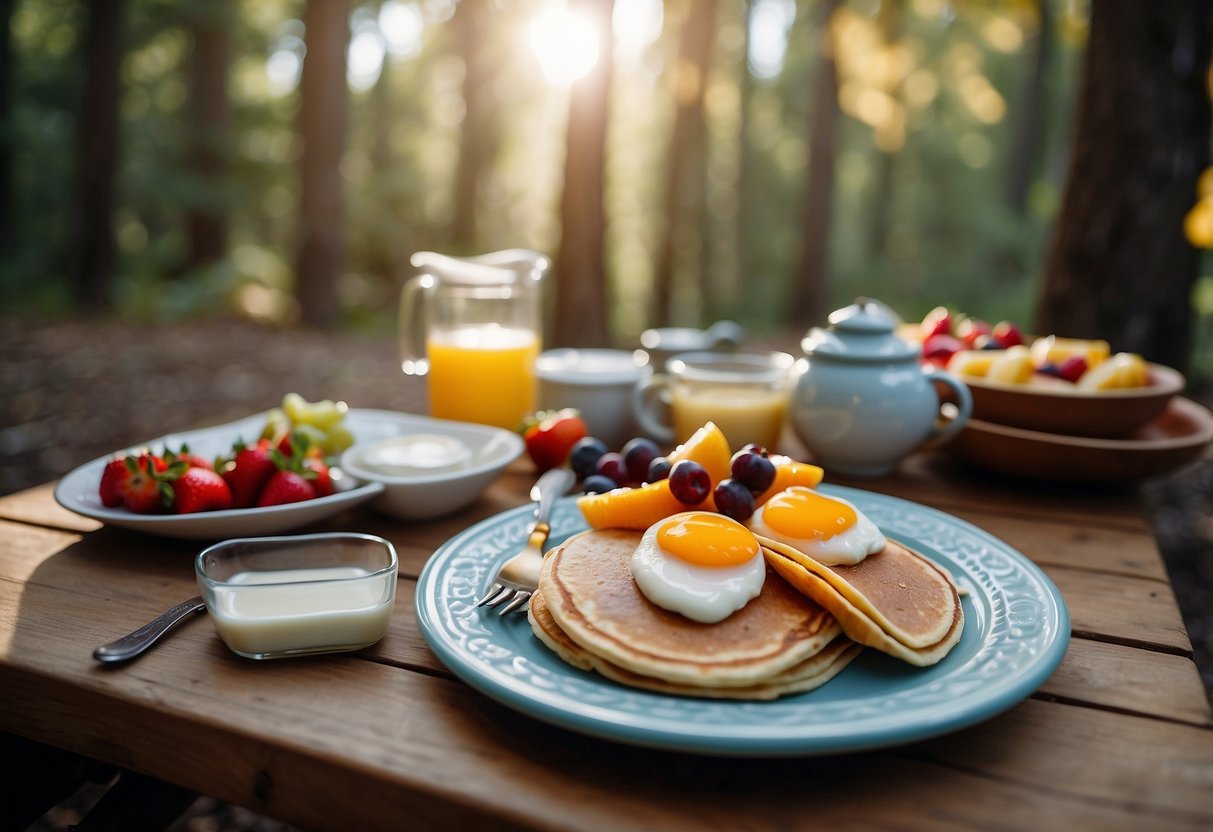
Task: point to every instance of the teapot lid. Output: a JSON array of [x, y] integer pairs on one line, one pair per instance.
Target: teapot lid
[[863, 331]]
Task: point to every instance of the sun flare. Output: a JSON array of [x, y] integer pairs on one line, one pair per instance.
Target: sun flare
[[566, 44]]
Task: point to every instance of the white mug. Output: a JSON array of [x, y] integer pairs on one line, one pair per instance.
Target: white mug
[[599, 383]]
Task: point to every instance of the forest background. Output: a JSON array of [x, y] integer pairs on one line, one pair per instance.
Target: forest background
[[761, 160]]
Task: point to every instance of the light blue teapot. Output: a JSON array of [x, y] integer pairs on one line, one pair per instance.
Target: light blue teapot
[[862, 400]]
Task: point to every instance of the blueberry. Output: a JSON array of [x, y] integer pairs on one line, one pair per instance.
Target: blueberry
[[584, 456], [598, 484], [659, 469]]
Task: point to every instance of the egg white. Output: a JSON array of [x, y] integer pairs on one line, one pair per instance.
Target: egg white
[[701, 593], [851, 546]]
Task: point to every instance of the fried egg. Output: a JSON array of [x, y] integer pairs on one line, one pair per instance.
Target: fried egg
[[701, 564], [828, 529]]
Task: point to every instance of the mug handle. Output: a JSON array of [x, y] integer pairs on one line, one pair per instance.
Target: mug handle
[[941, 433], [412, 326], [648, 389]]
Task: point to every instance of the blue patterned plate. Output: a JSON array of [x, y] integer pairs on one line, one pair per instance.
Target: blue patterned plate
[[1016, 631]]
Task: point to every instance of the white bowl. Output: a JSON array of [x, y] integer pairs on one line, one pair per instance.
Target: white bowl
[[428, 486]]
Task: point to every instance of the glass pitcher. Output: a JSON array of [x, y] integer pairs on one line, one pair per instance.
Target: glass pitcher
[[472, 327]]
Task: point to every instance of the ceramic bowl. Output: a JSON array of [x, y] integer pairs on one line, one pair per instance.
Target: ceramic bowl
[[431, 467], [1178, 435], [1063, 409]]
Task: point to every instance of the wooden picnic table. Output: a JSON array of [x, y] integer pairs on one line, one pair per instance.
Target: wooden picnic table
[[1117, 738]]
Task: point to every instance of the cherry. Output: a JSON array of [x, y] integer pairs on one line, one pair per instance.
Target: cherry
[[689, 482], [753, 471], [638, 453], [612, 465], [734, 499]]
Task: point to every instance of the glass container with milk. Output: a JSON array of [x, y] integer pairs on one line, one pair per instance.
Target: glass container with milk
[[273, 597]]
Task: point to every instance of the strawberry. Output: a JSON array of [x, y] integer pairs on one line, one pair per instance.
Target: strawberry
[[114, 473], [137, 483], [936, 322], [550, 435], [247, 472], [318, 474], [1006, 335], [302, 440], [200, 489], [184, 455], [285, 487]]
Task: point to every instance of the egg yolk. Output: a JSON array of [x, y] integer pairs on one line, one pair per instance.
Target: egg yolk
[[707, 539], [802, 513]]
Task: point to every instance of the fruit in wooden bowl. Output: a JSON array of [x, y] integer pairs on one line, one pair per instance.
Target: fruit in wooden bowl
[[1112, 399]]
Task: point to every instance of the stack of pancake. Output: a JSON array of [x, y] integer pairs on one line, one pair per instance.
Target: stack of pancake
[[589, 610], [895, 601], [807, 624]]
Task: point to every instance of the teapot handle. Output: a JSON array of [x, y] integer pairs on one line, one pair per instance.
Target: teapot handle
[[942, 432]]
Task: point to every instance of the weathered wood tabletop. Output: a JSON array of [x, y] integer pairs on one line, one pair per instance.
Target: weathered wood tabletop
[[1119, 737]]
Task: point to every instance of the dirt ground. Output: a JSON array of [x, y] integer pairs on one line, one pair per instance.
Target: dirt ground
[[71, 391]]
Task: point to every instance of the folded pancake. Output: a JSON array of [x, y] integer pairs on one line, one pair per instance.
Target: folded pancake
[[901, 603], [587, 586], [808, 674]]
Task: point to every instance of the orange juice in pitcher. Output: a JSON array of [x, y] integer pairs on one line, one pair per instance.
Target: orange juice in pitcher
[[471, 326], [501, 362]]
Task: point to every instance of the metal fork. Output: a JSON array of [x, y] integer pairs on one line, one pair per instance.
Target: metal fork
[[518, 576]]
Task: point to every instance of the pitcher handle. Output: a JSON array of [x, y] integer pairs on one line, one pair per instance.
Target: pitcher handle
[[512, 258], [411, 329], [941, 433]]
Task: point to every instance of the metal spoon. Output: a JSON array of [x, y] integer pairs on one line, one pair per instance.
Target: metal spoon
[[132, 645]]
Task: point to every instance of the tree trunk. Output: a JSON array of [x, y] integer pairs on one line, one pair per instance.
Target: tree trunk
[[813, 273], [7, 197], [747, 187], [97, 137], [880, 199], [1024, 155], [209, 120], [1119, 267], [389, 249], [470, 27], [580, 267], [323, 117], [684, 186]]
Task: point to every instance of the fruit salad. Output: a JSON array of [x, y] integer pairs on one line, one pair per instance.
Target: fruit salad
[[287, 463], [639, 485], [1000, 353]]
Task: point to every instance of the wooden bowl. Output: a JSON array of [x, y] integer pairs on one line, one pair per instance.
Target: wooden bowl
[[1064, 409], [1178, 435]]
